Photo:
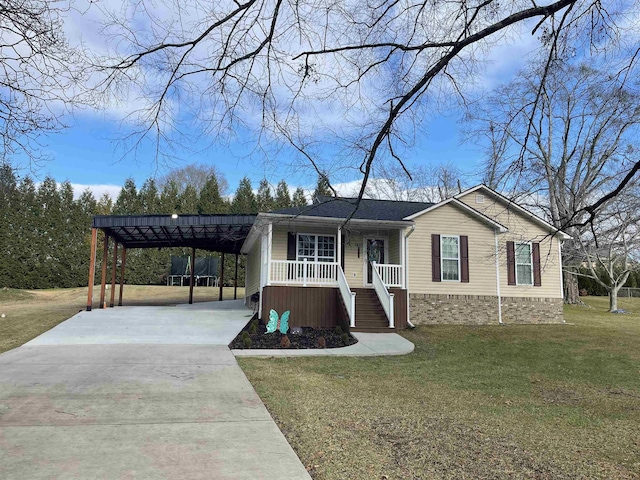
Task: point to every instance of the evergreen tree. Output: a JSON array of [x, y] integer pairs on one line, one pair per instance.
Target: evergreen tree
[[322, 188], [149, 197], [9, 201], [264, 199], [188, 200], [26, 241], [170, 198], [283, 198], [299, 198], [104, 206], [244, 200], [50, 242], [127, 202], [210, 201]]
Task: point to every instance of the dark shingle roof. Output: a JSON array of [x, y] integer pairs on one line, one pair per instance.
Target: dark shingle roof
[[368, 209]]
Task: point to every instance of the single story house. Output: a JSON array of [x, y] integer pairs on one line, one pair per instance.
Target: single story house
[[476, 258]]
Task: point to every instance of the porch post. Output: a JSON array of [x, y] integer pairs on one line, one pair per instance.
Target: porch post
[[114, 269], [124, 260], [92, 268], [193, 265], [103, 283], [221, 277], [269, 248], [235, 281], [339, 256], [403, 257]]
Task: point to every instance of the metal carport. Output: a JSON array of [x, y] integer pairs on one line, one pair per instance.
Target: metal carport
[[215, 233]]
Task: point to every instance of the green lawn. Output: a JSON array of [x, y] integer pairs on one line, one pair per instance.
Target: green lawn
[[549, 401]]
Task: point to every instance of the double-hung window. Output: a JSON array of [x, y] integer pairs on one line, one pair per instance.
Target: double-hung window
[[524, 264], [316, 248], [450, 266]]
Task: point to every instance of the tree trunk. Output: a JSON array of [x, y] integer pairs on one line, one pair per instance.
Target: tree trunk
[[613, 300], [571, 291]]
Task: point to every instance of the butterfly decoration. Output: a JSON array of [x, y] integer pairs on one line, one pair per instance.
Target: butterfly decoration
[[276, 323]]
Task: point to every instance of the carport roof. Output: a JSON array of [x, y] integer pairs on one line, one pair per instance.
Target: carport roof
[[218, 233]]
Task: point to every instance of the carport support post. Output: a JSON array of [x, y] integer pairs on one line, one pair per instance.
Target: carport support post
[[114, 269], [92, 268], [193, 267], [124, 260], [221, 277], [235, 281], [105, 253]]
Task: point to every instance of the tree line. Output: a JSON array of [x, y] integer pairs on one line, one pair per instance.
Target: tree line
[[45, 234]]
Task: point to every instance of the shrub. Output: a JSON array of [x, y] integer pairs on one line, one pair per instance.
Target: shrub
[[246, 341], [285, 342], [322, 343], [253, 327], [338, 330], [345, 338]]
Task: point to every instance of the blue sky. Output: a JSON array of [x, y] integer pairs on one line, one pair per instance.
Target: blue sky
[[87, 154]]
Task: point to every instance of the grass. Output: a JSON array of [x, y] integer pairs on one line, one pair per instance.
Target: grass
[[548, 401], [29, 313]]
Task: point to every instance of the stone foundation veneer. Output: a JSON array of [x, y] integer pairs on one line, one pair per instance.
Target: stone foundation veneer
[[430, 309]]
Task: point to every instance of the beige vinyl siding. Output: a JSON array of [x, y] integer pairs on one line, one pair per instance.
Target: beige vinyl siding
[[522, 229], [354, 266], [451, 220], [394, 247], [252, 283]]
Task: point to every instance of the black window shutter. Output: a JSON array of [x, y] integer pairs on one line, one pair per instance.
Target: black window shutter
[[464, 258], [537, 278], [511, 263], [291, 246], [342, 252], [435, 258]]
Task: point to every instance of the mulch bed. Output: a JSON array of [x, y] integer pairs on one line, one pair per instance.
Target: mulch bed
[[308, 338]]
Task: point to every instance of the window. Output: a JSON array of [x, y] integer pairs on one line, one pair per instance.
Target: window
[[316, 248], [450, 247], [524, 264]]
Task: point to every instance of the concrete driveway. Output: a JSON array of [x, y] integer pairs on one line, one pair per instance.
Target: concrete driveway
[[138, 393]]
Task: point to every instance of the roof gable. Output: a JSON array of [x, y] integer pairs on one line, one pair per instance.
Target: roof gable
[[521, 210], [463, 206]]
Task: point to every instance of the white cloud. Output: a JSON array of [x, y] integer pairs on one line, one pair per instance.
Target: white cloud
[[97, 189]]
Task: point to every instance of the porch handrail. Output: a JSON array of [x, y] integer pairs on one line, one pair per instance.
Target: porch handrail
[[386, 298], [303, 272], [391, 274], [348, 297]]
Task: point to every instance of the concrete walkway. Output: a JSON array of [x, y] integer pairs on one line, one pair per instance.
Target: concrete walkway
[[369, 345], [118, 394]]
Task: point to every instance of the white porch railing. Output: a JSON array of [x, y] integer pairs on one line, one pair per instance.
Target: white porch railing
[[391, 275], [303, 272], [348, 297], [386, 298]]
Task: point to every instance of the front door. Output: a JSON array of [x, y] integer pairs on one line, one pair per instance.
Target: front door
[[375, 253]]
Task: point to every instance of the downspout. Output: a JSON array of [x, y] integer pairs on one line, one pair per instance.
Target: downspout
[[406, 270], [495, 236]]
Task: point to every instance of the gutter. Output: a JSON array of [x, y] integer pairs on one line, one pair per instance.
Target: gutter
[[406, 270], [495, 236]]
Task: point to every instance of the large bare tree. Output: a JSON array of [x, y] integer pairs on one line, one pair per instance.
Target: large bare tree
[[611, 249], [561, 147], [39, 75], [357, 76]]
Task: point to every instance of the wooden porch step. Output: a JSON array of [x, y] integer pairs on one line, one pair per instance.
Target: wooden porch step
[[370, 316]]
